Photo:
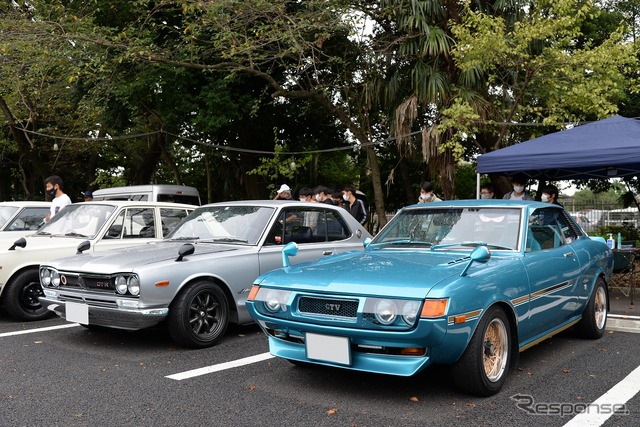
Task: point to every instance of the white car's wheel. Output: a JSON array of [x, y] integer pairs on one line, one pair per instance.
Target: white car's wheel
[[20, 298]]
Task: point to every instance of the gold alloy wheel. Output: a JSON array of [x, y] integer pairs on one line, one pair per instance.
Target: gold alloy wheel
[[496, 350], [600, 309]]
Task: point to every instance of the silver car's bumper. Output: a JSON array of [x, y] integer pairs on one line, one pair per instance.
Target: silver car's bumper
[[112, 317]]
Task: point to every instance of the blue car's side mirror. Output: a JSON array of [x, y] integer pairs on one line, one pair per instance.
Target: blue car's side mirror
[[290, 249], [366, 242], [479, 254]]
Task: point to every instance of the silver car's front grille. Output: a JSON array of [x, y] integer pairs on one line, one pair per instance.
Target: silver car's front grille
[[92, 282], [328, 307]]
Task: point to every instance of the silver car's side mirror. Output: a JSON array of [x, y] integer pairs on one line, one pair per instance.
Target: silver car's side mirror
[[186, 249]]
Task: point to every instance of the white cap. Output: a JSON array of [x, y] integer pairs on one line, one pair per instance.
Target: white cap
[[283, 188]]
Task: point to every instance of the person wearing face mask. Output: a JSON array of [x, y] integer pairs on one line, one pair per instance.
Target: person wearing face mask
[[323, 195], [550, 195], [518, 192], [356, 206], [487, 191], [426, 193], [53, 187]]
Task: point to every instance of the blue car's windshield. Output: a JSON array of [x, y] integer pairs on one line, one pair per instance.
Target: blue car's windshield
[[462, 228]]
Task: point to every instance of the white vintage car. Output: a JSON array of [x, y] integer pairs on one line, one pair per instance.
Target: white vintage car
[[21, 218], [103, 225], [198, 278]]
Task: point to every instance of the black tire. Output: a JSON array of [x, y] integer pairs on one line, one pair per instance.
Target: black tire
[[21, 297], [483, 367], [199, 315], [594, 317]]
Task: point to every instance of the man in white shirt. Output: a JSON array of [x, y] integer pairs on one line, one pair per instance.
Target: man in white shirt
[[53, 186]]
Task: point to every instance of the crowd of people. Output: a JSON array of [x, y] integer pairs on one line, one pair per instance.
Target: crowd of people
[[349, 198]]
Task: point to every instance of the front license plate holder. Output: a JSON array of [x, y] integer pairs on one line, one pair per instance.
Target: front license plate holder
[[328, 348], [77, 313]]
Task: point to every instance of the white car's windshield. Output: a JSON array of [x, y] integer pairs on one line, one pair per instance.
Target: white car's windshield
[[224, 224], [78, 220], [6, 212], [498, 228]]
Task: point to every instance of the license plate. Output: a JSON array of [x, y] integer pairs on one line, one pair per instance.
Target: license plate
[[328, 348], [78, 313]]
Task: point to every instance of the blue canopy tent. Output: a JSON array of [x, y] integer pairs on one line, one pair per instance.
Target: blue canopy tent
[[607, 148]]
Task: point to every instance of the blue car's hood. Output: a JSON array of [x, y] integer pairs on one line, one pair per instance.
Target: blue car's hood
[[135, 256], [377, 272]]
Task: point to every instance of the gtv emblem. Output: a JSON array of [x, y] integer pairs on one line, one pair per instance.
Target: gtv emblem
[[332, 307]]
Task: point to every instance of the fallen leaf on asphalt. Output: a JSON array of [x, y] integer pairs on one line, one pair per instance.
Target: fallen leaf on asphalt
[[413, 399], [567, 371], [473, 405], [332, 411], [603, 349], [251, 387]]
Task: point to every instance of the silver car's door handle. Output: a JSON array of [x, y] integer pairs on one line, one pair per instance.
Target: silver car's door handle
[[327, 252]]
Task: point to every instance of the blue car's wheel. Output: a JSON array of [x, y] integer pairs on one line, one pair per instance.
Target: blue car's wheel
[[483, 367], [594, 317], [199, 315]]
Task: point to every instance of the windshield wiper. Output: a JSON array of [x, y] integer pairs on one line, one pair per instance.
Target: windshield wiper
[[403, 242], [471, 244], [74, 234], [186, 238], [229, 239]]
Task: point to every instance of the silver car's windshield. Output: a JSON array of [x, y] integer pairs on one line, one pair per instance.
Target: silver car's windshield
[[498, 228], [6, 212], [82, 220], [224, 224]]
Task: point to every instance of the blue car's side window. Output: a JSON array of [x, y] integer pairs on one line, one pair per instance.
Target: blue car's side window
[[548, 228]]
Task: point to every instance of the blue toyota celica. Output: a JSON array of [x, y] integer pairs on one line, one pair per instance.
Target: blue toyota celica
[[468, 283]]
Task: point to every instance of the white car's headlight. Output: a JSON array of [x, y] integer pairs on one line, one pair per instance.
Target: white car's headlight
[[55, 278]]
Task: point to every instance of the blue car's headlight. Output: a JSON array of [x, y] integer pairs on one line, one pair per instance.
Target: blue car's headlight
[[274, 300], [392, 312]]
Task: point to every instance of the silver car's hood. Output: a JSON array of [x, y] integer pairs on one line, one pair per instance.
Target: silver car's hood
[[126, 259]]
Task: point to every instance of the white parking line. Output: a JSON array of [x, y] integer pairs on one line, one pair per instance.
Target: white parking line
[[601, 410], [31, 331], [220, 367]]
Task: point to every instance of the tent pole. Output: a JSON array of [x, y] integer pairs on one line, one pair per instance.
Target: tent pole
[[478, 186]]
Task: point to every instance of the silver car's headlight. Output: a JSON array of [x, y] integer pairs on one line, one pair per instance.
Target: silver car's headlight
[[45, 277], [121, 285], [386, 311], [55, 278], [133, 284]]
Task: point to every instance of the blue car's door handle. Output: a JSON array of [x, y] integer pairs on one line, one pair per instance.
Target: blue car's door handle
[[568, 254]]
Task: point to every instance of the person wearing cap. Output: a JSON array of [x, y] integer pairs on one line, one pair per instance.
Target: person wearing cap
[[87, 196], [284, 193]]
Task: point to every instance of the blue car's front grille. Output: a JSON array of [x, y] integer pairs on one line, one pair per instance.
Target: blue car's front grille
[[328, 307]]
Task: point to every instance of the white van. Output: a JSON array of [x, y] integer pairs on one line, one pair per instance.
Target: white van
[[151, 193]]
